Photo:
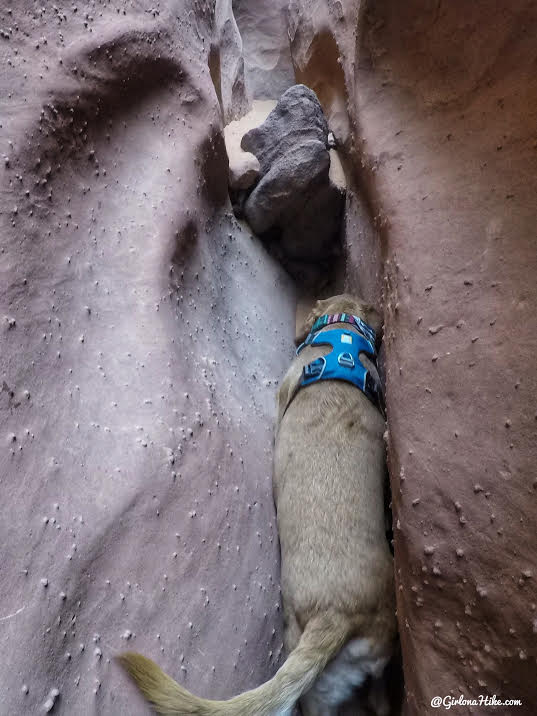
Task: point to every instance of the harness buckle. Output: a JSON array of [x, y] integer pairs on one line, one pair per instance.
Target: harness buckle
[[346, 365], [315, 369], [346, 360]]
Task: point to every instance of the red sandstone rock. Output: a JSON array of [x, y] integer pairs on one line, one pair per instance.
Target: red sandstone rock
[[442, 104], [143, 331]]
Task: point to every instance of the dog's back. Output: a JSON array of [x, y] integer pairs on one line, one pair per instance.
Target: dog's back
[[329, 493], [328, 485]]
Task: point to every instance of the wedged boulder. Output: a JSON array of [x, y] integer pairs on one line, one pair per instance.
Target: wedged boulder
[[298, 117], [313, 231], [284, 190], [295, 193]]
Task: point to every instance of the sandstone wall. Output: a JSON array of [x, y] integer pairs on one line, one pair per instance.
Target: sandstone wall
[[442, 104], [144, 329]]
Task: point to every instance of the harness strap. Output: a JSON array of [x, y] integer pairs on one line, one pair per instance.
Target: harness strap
[[343, 362], [366, 330]]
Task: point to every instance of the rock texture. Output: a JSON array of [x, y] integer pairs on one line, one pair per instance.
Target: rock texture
[[295, 193], [142, 334], [143, 329], [226, 63], [263, 28], [442, 104]]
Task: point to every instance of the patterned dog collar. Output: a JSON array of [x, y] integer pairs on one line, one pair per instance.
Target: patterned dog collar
[[366, 330], [343, 362]]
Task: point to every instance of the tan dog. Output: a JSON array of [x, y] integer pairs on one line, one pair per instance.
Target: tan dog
[[337, 572]]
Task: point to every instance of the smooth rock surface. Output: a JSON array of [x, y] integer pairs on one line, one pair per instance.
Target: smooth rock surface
[[226, 63], [143, 337], [263, 28], [440, 223]]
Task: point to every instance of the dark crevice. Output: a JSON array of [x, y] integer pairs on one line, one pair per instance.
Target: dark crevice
[[215, 72]]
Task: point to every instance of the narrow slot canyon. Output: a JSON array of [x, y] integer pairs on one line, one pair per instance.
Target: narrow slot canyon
[[145, 327]]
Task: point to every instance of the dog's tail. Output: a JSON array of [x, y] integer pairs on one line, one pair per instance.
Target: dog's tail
[[322, 638]]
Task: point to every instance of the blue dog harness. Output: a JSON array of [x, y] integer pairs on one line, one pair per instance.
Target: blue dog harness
[[343, 362]]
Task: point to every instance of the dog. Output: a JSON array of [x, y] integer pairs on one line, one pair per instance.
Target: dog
[[337, 571]]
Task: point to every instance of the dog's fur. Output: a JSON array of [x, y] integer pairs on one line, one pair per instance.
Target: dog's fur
[[337, 572]]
